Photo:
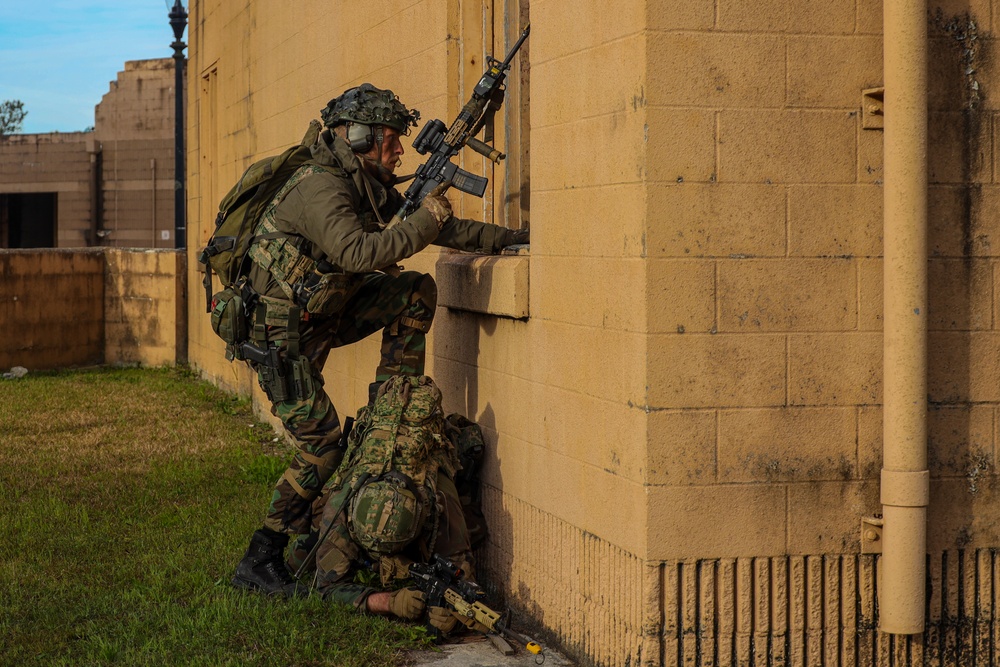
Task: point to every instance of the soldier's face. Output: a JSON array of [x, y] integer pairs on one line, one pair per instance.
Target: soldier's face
[[392, 150]]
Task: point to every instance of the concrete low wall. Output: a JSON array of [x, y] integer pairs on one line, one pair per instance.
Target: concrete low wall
[[63, 308]]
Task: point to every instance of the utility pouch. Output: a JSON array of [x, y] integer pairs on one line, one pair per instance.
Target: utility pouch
[[229, 319], [325, 293]]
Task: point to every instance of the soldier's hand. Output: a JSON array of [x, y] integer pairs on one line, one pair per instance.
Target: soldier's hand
[[516, 237], [407, 603], [438, 205], [442, 619]]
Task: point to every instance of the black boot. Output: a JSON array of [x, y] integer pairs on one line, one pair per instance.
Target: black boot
[[263, 567]]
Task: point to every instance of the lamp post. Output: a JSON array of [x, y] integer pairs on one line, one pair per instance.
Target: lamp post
[[178, 21]]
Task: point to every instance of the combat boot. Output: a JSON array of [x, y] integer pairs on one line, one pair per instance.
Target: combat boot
[[263, 567]]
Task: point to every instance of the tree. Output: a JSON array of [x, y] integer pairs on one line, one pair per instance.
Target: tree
[[12, 114]]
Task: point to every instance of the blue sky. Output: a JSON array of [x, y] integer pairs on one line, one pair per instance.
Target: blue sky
[[59, 56]]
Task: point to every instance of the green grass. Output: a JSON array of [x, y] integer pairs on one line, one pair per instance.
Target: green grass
[[127, 496]]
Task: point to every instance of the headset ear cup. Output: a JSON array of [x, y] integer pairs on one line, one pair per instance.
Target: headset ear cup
[[360, 137]]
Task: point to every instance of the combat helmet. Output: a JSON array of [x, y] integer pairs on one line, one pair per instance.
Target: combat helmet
[[387, 514], [368, 105]]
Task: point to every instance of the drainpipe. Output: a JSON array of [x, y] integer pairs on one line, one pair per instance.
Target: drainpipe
[[905, 478]]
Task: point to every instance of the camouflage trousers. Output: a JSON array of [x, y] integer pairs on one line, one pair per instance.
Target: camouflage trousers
[[338, 557], [402, 307]]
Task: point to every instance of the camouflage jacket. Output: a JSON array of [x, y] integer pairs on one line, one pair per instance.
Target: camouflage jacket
[[333, 212]]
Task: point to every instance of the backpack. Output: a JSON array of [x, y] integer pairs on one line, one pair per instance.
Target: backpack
[[467, 438], [399, 442], [242, 208]]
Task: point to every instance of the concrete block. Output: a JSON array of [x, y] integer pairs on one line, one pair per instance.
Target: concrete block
[[597, 285], [680, 145], [806, 16], [827, 72], [601, 221], [870, 294], [963, 366], [871, 161], [680, 296], [606, 71], [569, 363], [960, 514], [587, 497], [834, 220], [787, 445], [559, 29], [716, 220], [958, 149], [492, 285], [561, 160], [695, 15], [787, 295], [870, 442], [681, 447], [716, 521], [754, 146], [947, 204], [960, 441], [835, 369], [824, 517], [709, 371], [960, 294], [611, 436], [718, 70]]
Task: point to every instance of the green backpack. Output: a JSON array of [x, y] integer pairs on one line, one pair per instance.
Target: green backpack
[[242, 208]]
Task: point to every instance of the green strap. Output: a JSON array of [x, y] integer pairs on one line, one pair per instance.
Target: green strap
[[292, 332]]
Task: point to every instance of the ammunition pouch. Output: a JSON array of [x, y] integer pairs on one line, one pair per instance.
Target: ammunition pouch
[[325, 293]]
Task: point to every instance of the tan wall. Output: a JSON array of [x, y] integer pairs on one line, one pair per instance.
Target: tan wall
[[133, 140], [51, 308], [134, 125], [686, 430], [53, 162], [61, 308]]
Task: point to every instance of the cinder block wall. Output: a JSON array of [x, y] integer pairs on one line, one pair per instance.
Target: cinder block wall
[[64, 308], [765, 273], [134, 125], [52, 163]]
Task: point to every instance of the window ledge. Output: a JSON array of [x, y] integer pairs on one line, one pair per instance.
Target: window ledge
[[489, 284]]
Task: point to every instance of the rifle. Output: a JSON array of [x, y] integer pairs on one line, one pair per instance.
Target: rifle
[[486, 100], [443, 586]]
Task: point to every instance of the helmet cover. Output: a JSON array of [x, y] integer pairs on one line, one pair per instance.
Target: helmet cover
[[368, 105]]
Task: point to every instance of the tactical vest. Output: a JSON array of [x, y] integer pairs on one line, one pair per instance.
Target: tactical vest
[[313, 286]]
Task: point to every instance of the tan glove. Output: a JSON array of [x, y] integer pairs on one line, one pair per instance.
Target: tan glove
[[438, 205], [407, 603], [442, 619]]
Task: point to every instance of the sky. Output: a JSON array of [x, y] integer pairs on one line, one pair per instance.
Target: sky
[[60, 56]]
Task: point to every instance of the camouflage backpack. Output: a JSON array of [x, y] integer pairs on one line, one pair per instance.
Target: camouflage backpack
[[399, 441], [242, 208]]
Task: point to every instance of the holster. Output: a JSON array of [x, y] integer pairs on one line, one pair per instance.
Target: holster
[[284, 375]]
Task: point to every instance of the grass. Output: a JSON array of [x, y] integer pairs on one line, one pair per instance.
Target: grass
[[126, 498]]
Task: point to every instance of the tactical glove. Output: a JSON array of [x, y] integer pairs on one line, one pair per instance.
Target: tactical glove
[[438, 205], [442, 619], [407, 603], [515, 237]]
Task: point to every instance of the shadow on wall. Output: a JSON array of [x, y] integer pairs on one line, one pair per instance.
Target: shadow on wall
[[961, 343]]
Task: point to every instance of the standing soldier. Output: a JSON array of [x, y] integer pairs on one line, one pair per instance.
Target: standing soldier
[[324, 271]]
